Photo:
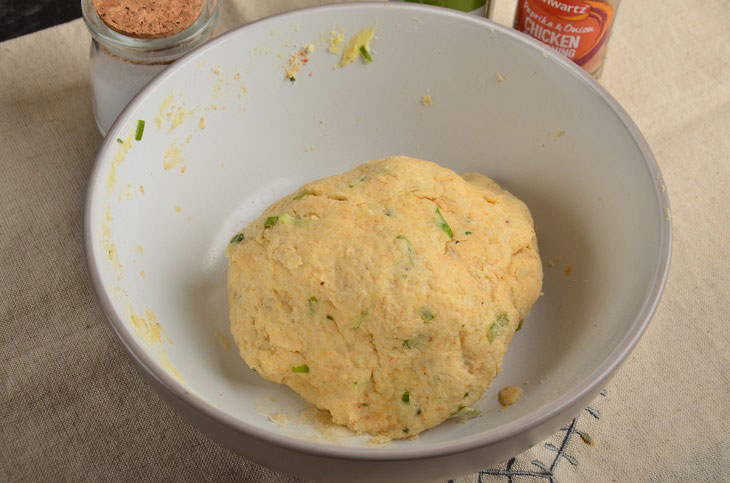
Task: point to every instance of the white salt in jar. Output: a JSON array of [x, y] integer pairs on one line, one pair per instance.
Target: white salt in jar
[[134, 40]]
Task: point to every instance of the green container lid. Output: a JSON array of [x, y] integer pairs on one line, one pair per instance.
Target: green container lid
[[463, 5]]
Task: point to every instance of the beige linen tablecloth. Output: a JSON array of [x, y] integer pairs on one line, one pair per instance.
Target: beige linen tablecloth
[[74, 408]]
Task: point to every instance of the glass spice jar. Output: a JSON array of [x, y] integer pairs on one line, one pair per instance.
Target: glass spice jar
[[134, 40]]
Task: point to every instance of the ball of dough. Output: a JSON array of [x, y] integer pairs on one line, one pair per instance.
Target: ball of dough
[[387, 295]]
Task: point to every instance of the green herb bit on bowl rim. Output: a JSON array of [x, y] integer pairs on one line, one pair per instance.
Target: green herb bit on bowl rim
[[366, 57], [139, 131]]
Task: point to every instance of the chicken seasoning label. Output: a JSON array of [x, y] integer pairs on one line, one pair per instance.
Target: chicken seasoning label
[[578, 29]]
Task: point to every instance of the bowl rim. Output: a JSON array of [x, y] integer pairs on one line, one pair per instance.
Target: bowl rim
[[597, 378]]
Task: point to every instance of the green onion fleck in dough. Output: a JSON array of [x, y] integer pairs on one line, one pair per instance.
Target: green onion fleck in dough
[[300, 196], [360, 319], [286, 219], [466, 413], [300, 369], [408, 242], [357, 181], [365, 54], [409, 249], [271, 221], [313, 304], [497, 327], [416, 341], [238, 238], [405, 430], [426, 314], [467, 233], [406, 397], [519, 326], [140, 130], [441, 222], [329, 317]]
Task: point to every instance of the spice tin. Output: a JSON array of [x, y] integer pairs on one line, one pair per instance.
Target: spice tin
[[134, 40], [578, 29]]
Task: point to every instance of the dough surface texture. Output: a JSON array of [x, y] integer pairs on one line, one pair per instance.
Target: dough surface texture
[[387, 295]]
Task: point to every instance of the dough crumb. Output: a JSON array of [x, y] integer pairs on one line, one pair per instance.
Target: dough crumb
[[427, 100], [500, 77], [335, 42], [509, 395]]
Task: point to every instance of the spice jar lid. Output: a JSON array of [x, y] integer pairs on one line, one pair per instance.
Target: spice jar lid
[[149, 19]]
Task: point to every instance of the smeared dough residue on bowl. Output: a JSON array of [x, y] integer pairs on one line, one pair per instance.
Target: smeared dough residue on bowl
[[360, 39], [222, 339], [147, 328]]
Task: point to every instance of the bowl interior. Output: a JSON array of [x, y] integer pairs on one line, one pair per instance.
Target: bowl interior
[[227, 134]]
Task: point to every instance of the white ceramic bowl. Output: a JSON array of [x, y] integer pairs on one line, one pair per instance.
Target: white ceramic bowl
[[502, 105]]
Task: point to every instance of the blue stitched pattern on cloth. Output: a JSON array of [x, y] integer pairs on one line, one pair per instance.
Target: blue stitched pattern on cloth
[[514, 472]]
